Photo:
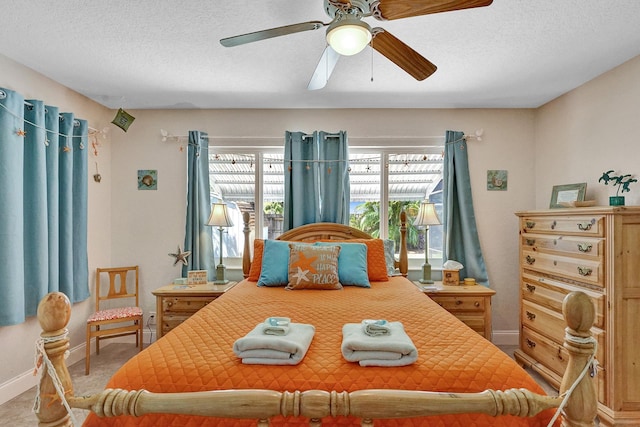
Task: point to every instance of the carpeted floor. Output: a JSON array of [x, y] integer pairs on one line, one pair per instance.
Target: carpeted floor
[[112, 356]]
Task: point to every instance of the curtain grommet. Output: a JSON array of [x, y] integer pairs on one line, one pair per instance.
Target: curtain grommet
[[3, 94]]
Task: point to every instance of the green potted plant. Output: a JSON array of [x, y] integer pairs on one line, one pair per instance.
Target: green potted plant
[[622, 182]]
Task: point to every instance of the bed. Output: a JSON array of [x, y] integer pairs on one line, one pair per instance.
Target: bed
[[191, 377]]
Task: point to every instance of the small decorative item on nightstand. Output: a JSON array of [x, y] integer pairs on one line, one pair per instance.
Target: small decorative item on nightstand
[[621, 181]]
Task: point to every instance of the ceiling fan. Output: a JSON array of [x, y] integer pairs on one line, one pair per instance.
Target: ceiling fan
[[347, 34]]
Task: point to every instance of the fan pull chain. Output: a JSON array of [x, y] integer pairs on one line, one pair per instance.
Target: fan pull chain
[[371, 45]]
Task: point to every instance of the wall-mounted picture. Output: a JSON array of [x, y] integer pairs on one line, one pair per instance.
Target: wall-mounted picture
[[563, 196], [147, 179], [497, 180]]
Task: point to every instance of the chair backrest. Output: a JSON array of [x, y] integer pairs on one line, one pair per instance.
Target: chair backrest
[[119, 285]]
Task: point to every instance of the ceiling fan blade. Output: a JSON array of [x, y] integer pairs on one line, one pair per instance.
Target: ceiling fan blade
[[272, 32], [396, 9], [325, 67], [402, 55]]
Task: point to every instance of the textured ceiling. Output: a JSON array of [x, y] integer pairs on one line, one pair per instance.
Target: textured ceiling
[[166, 54]]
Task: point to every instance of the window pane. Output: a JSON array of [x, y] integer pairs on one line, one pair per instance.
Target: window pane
[[413, 178], [364, 179], [273, 195], [232, 181]]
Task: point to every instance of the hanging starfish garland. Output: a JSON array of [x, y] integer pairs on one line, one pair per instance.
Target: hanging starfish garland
[[180, 256]]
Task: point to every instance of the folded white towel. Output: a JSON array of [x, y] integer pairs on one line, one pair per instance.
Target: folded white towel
[[376, 328], [276, 326], [395, 349], [257, 348]]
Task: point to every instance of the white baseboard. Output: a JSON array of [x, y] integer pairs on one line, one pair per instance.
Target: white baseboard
[[23, 382], [505, 337]]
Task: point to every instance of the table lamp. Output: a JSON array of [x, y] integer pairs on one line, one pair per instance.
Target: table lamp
[[220, 218], [426, 216]]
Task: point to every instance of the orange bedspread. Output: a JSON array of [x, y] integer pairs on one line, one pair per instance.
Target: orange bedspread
[[198, 355]]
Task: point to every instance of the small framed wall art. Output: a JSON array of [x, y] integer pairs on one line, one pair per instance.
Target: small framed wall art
[[497, 180], [147, 179]]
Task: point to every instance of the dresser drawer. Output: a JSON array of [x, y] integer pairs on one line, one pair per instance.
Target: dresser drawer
[[571, 245], [581, 269], [551, 324], [550, 293], [184, 304], [546, 351], [574, 225], [460, 303]]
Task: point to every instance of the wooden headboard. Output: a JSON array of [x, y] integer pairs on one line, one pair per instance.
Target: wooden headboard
[[326, 231]]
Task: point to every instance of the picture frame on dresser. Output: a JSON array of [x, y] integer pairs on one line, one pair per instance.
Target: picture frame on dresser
[[561, 195]]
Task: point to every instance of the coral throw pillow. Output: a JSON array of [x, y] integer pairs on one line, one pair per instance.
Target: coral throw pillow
[[256, 262], [376, 264], [313, 267]]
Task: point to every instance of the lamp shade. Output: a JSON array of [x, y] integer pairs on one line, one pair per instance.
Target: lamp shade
[[219, 216], [427, 215], [348, 36]]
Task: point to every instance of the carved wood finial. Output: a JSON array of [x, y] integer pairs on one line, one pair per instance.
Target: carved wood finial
[[54, 312], [582, 407]]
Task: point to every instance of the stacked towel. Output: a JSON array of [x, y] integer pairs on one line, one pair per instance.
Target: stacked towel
[[376, 328], [394, 349], [276, 326], [258, 348]]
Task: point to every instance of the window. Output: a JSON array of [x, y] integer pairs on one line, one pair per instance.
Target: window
[[382, 184]]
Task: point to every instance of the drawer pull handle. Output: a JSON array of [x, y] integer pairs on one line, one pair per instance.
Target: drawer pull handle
[[531, 344], [553, 225], [531, 316], [586, 226], [585, 271], [169, 303], [458, 302], [530, 224], [531, 288], [584, 247], [530, 242], [477, 303], [530, 260], [560, 353]]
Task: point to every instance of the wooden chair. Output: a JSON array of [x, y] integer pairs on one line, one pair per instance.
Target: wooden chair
[[125, 319]]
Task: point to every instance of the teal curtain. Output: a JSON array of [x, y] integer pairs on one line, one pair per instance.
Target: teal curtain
[[461, 242], [316, 187], [197, 237], [43, 205]]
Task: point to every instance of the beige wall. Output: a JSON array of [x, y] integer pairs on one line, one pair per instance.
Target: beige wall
[[17, 364], [588, 131]]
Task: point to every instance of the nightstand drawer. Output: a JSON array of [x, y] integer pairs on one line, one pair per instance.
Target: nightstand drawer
[[184, 304], [474, 321], [460, 303]]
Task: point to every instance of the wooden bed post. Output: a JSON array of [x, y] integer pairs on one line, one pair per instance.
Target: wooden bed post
[[54, 312], [582, 406], [404, 257], [246, 254]]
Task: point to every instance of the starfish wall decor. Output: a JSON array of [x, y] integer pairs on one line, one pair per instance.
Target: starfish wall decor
[[180, 256]]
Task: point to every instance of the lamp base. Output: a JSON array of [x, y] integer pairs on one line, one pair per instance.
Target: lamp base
[[426, 274], [220, 275]]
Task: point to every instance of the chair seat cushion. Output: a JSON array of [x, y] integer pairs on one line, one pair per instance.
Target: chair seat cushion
[[115, 313]]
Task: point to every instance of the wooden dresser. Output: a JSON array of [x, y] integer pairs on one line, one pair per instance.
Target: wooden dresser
[[470, 304], [176, 303], [595, 250]]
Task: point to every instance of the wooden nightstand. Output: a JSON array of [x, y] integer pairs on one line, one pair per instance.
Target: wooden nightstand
[[176, 303], [470, 304]]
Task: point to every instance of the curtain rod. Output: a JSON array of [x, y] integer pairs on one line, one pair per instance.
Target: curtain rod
[[166, 136]]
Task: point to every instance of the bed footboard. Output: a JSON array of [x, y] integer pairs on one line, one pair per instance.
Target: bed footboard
[[368, 405]]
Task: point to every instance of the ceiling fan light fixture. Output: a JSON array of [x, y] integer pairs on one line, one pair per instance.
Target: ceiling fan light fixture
[[349, 36]]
